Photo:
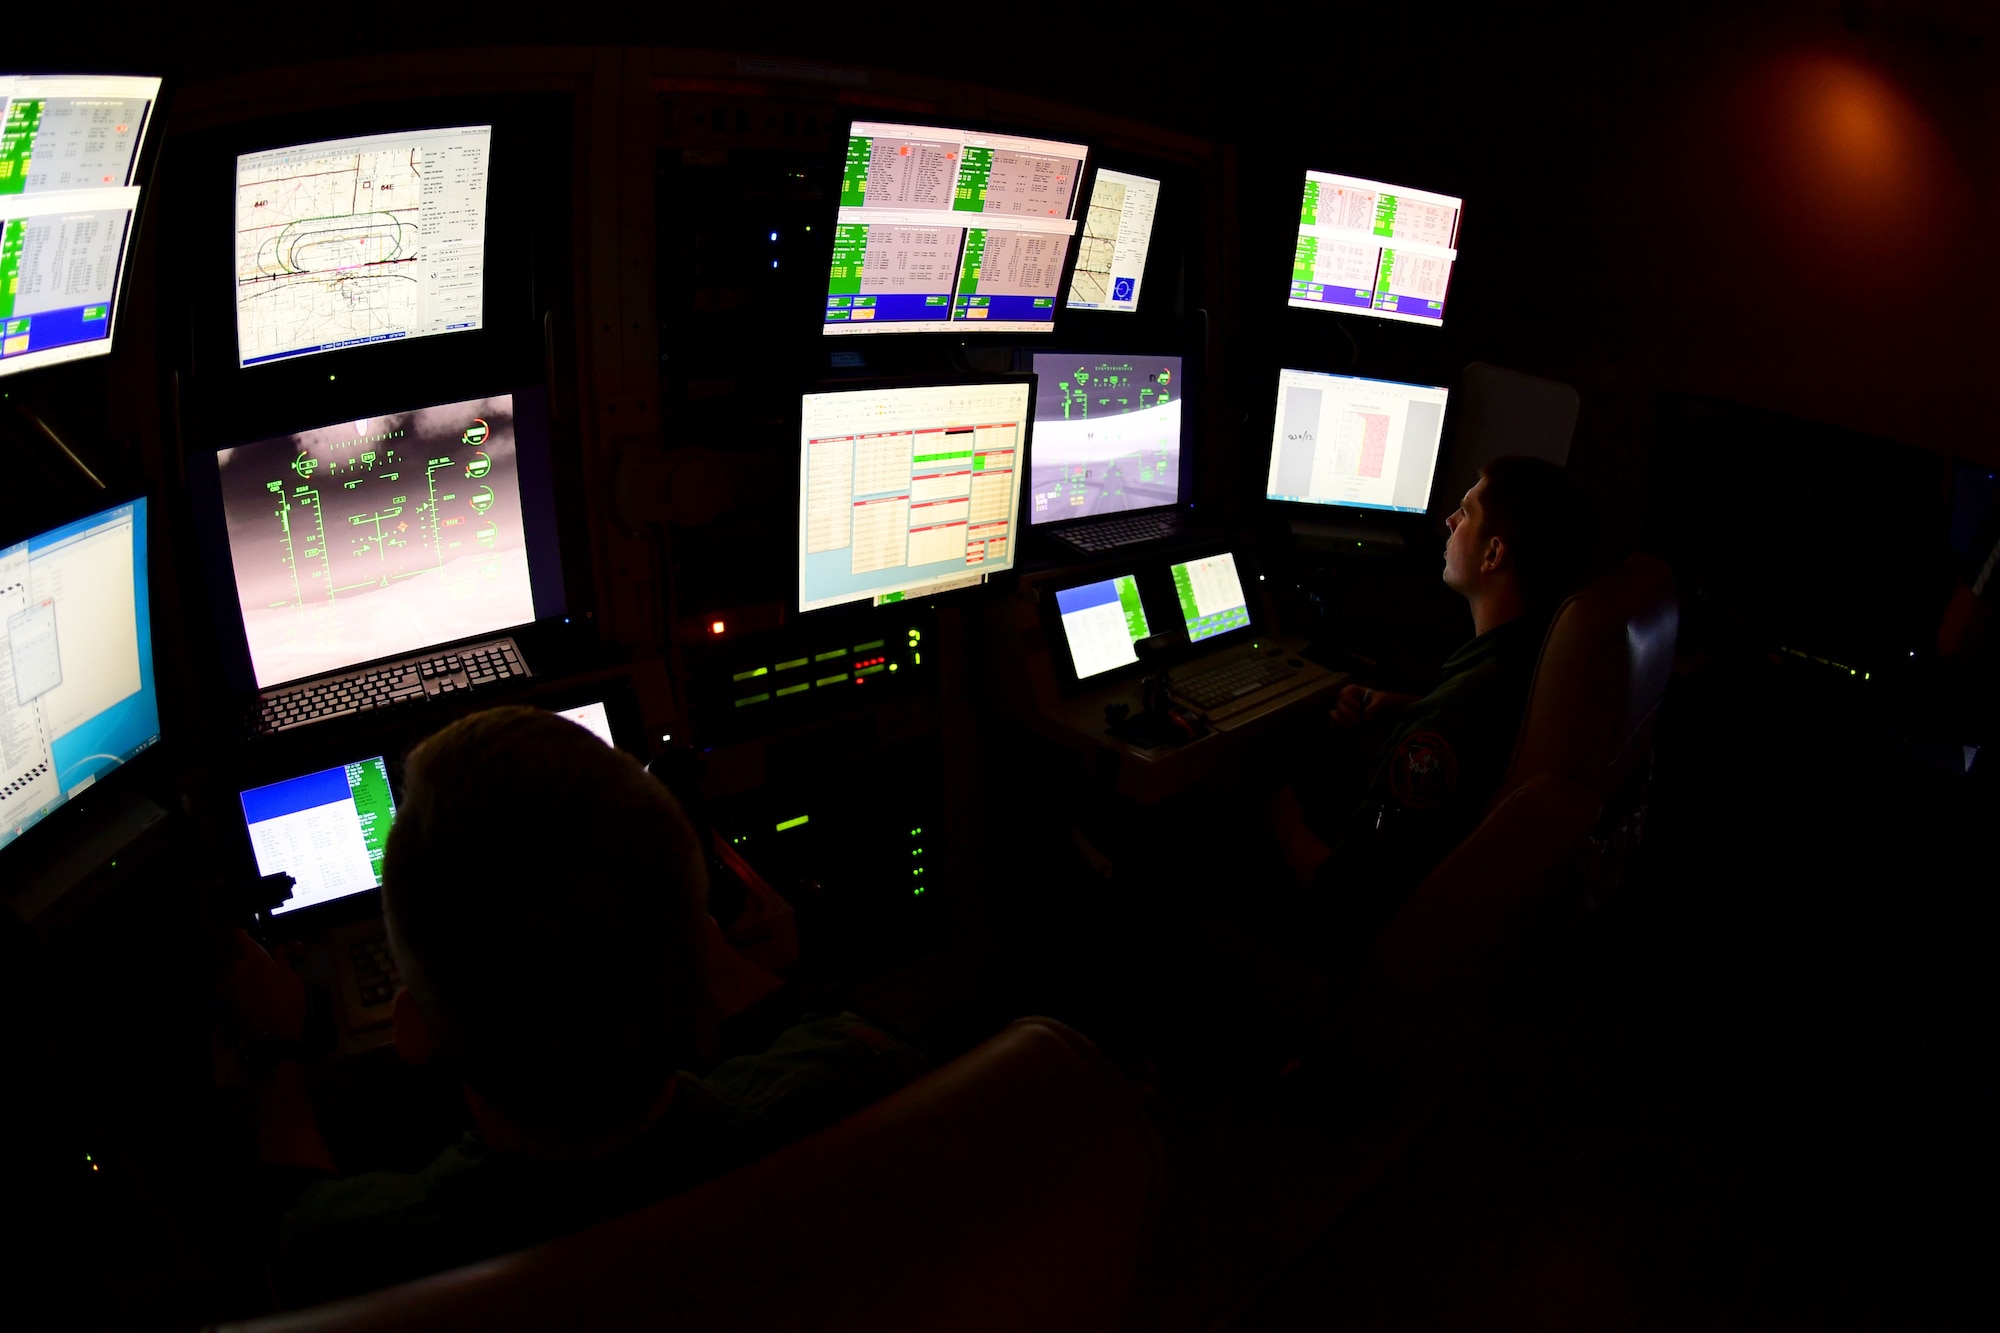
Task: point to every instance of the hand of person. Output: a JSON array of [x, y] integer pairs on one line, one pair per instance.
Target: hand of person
[[266, 995], [1358, 708], [1351, 710], [1286, 820]]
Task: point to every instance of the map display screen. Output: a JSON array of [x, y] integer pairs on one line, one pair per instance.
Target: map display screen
[[363, 240]]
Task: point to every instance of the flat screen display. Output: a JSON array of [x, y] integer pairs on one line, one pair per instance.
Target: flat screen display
[[1211, 596], [76, 661], [1102, 622], [327, 830], [592, 718], [1359, 443], [1107, 435], [364, 539], [1117, 234], [69, 151], [944, 230], [361, 240], [1369, 248], [907, 491]]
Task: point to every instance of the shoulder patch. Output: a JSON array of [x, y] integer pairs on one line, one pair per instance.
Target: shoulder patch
[[1423, 772]]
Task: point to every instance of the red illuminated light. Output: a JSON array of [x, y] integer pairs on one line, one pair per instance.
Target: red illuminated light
[[716, 627]]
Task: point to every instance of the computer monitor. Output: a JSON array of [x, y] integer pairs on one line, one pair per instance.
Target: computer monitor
[[363, 540], [1117, 233], [908, 491], [69, 151], [946, 230], [360, 240], [1211, 596], [1368, 248], [1102, 624], [327, 830], [1359, 443], [1107, 434], [76, 661]]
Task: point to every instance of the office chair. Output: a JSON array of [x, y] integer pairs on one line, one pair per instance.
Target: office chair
[[1011, 1189]]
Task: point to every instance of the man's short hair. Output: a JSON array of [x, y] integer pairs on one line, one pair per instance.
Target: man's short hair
[[544, 896], [1536, 508]]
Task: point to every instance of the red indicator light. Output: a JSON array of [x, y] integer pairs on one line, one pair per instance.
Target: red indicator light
[[716, 627]]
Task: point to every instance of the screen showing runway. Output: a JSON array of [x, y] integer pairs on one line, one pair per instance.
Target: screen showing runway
[[369, 538], [1107, 435]]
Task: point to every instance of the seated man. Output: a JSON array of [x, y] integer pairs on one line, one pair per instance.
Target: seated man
[[546, 903], [1519, 544]]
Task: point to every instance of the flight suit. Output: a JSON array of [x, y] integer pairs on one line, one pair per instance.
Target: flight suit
[[1437, 771]]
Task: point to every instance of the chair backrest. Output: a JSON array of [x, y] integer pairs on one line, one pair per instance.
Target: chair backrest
[[1428, 989], [1011, 1189], [1603, 670]]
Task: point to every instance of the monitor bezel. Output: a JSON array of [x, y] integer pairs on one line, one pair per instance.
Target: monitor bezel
[[865, 603], [145, 158]]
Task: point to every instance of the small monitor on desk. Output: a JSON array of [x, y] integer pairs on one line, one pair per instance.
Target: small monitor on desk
[[327, 830], [948, 230], [1211, 596], [361, 240], [357, 541], [1369, 248], [593, 718], [1107, 434], [1355, 443], [908, 491], [1102, 624], [69, 195], [76, 661]]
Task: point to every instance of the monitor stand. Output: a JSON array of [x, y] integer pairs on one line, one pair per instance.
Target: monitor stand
[[49, 878], [1309, 533]]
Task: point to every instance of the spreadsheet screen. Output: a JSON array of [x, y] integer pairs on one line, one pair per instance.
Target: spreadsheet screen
[[361, 240], [1211, 596], [1369, 248], [942, 229], [906, 491], [69, 148], [1360, 443]]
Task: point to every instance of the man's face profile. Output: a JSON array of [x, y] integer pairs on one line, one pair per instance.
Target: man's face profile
[[1463, 548]]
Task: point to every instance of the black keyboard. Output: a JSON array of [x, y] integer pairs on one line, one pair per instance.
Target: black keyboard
[[376, 976], [387, 685], [1232, 680], [1111, 533]]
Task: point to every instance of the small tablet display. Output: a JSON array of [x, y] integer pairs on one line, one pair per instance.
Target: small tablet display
[[1211, 596], [592, 718], [1101, 623], [327, 830]]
